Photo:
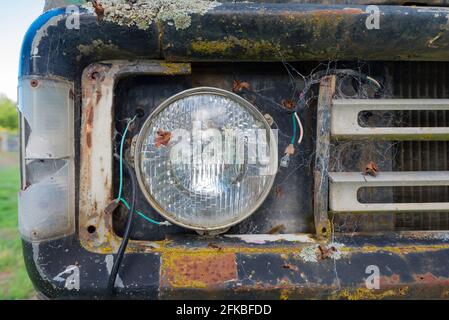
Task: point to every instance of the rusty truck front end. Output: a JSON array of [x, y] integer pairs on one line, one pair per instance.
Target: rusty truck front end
[[357, 206]]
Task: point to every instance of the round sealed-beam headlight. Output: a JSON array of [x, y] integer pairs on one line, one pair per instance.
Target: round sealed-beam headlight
[[206, 159]]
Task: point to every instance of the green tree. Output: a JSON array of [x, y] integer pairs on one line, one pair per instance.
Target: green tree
[[8, 115]]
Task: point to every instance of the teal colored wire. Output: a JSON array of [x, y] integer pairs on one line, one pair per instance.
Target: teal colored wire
[[139, 213], [122, 144], [295, 129]]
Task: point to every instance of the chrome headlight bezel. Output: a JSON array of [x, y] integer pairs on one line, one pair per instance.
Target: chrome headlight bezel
[[143, 134]]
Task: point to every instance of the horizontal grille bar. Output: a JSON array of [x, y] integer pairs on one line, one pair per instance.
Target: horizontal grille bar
[[344, 186], [345, 119]]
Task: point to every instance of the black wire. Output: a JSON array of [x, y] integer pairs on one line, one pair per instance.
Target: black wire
[[128, 228]]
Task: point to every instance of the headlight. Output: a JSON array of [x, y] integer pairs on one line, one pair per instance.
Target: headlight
[[206, 159]]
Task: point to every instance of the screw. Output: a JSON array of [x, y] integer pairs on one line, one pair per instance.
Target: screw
[[34, 83]]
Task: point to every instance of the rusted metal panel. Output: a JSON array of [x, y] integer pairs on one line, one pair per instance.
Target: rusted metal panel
[[412, 265], [241, 32], [415, 268], [50, 4], [273, 32], [96, 154], [193, 270], [322, 155], [262, 32]]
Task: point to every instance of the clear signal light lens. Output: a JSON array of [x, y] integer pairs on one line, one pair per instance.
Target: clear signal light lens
[[206, 159]]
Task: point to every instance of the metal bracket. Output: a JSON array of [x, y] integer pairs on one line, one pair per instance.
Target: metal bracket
[[321, 182], [96, 180]]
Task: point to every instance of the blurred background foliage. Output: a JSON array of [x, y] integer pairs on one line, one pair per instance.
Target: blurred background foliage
[[9, 120]]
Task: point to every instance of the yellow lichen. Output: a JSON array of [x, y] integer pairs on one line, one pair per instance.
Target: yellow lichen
[[175, 68], [400, 249], [250, 48], [284, 294], [365, 294]]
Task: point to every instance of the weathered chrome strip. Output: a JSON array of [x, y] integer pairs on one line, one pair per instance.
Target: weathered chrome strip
[[344, 186], [345, 124]]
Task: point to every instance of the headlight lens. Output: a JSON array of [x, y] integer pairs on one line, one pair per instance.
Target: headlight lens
[[206, 159]]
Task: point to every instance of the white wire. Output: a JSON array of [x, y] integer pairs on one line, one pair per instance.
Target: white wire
[[375, 81], [301, 129]]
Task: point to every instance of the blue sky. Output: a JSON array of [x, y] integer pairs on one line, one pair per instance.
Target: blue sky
[[15, 18]]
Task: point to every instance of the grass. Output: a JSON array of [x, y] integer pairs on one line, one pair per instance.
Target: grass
[[14, 281]]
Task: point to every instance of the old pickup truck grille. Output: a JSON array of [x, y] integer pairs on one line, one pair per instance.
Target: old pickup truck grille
[[412, 132], [290, 208]]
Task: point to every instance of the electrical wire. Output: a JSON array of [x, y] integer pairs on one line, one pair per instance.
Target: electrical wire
[[294, 129], [128, 228], [120, 198], [301, 128], [129, 222], [309, 82], [317, 76], [142, 215], [122, 144], [374, 81]]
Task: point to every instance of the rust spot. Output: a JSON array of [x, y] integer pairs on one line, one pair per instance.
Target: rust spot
[[163, 138], [71, 94], [277, 229], [288, 104], [238, 86], [389, 280], [429, 278], [214, 246], [326, 252], [89, 122], [371, 169], [89, 139], [279, 191], [99, 10], [90, 116], [196, 270], [99, 95]]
